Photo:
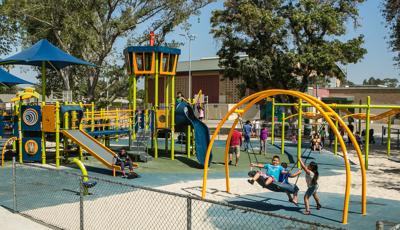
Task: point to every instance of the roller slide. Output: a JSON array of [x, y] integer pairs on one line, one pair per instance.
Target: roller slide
[[92, 146], [184, 116]]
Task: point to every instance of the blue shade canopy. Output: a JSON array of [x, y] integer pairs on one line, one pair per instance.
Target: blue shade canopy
[[8, 79], [44, 51]]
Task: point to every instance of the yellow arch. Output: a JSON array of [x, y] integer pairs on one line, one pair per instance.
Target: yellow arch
[[312, 101], [11, 140]]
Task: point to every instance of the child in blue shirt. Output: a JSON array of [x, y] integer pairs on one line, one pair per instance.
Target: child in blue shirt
[[272, 171]]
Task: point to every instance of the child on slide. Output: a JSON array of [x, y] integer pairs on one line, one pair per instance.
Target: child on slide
[[312, 184], [284, 178], [272, 172]]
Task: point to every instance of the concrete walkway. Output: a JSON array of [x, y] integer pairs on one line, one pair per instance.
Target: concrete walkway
[[11, 221]]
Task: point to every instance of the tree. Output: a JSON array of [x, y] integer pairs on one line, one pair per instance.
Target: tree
[[391, 12], [285, 44], [8, 30], [389, 82], [91, 29]]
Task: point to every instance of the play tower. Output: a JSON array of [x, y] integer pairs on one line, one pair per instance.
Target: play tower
[[153, 63]]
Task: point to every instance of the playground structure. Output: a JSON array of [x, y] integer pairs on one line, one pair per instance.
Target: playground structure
[[153, 63], [324, 110], [35, 123], [367, 116]]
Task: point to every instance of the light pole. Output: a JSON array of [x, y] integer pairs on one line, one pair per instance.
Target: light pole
[[190, 38]]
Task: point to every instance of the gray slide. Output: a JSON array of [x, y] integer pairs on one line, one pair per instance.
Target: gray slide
[[92, 146]]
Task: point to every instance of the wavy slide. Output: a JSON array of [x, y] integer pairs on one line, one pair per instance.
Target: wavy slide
[[184, 116]]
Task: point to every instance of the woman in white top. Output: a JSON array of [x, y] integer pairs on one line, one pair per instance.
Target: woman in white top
[[311, 179]]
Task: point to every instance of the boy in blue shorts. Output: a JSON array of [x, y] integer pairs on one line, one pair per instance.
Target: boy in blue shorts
[[272, 171]]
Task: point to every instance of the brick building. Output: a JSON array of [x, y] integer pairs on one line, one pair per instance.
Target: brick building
[[207, 76]]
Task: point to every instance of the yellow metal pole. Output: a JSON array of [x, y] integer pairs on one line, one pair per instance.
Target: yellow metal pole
[[166, 100], [335, 146], [226, 158], [58, 134], [20, 130], [283, 135], [367, 131], [155, 133], [66, 126], [273, 122], [92, 116], [300, 114], [81, 129], [166, 105], [172, 116], [188, 141], [134, 85], [389, 135], [146, 101], [43, 81], [43, 141]]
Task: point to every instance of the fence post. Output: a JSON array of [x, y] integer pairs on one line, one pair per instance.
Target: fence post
[[14, 176], [81, 189], [189, 213]]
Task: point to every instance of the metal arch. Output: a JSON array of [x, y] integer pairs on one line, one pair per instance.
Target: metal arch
[[311, 100]]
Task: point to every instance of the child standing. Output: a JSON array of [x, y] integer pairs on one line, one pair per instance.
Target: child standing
[[312, 184], [263, 139], [201, 112], [284, 179]]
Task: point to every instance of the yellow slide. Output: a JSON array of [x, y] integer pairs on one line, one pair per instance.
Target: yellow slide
[[93, 147]]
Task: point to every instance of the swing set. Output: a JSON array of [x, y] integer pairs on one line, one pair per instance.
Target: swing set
[[325, 111]]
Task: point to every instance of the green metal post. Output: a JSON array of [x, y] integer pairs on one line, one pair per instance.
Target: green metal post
[[155, 110], [134, 106], [300, 117], [172, 116], [92, 117], [273, 122], [43, 141], [367, 127], [58, 134], [389, 136], [283, 135], [146, 101], [66, 126], [20, 130], [335, 146], [43, 81]]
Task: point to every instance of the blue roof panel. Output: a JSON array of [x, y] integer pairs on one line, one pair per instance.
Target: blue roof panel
[[149, 49]]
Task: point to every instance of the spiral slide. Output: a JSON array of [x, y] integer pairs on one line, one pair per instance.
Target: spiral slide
[[184, 116]]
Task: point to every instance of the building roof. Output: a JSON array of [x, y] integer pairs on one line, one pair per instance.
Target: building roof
[[204, 64]]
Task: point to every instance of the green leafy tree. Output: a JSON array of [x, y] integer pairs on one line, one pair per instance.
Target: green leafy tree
[[389, 82], [91, 29], [391, 12], [285, 44], [8, 29]]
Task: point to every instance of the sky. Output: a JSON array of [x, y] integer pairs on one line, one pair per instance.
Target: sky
[[378, 62]]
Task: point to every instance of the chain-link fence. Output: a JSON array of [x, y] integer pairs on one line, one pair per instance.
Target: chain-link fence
[[66, 200]]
